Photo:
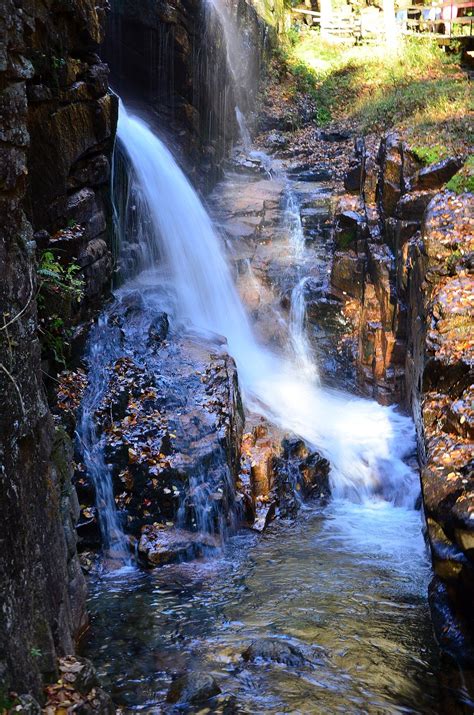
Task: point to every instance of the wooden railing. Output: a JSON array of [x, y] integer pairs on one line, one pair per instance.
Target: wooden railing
[[419, 20], [338, 24], [441, 21]]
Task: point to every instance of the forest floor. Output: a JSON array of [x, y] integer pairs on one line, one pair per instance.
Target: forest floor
[[420, 91]]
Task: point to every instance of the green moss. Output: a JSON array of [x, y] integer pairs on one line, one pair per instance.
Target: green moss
[[429, 155], [463, 181], [6, 702], [452, 261]]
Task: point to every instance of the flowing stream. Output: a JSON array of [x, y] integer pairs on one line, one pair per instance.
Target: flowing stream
[[345, 585]]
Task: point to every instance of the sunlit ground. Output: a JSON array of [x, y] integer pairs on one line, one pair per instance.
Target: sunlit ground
[[419, 89]]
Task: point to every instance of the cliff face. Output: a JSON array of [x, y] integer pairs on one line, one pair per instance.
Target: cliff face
[[170, 60], [405, 265], [56, 125]]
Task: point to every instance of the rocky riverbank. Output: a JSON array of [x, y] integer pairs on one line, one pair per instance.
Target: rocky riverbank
[[404, 259]]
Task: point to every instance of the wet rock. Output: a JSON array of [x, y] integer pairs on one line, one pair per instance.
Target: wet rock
[[161, 545], [334, 136], [299, 474], [350, 227], [412, 206], [274, 650], [158, 329], [454, 636], [265, 509], [193, 688], [89, 172], [391, 163], [313, 174], [353, 178], [347, 274], [436, 175]]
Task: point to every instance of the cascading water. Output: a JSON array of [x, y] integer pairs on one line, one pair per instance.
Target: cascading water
[[364, 442], [297, 329], [237, 64], [293, 224], [102, 351]]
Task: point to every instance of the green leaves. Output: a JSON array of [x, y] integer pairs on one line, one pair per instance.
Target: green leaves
[[60, 286], [55, 276]]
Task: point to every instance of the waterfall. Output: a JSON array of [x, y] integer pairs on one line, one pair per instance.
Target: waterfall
[[237, 64], [244, 130], [364, 442]]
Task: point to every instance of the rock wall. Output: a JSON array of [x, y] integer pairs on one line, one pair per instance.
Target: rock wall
[[56, 126], [404, 268], [71, 122]]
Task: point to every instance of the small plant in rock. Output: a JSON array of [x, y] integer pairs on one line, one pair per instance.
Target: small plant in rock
[[60, 288], [56, 277]]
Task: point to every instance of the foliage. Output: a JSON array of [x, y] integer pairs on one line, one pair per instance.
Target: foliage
[[463, 181], [59, 288], [419, 89], [55, 276]]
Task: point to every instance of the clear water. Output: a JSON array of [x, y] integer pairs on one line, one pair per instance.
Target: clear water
[[346, 586]]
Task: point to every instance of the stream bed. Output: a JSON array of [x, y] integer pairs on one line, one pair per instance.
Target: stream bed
[[345, 586]]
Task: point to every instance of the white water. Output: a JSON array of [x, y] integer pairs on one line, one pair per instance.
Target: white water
[[297, 329], [244, 130], [364, 442], [293, 224]]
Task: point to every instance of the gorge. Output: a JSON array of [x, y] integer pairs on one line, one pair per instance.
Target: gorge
[[249, 515]]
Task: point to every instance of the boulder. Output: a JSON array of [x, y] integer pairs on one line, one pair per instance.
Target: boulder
[[161, 545], [436, 175], [412, 206], [298, 474], [350, 227], [277, 651], [353, 178], [158, 329], [193, 689]]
